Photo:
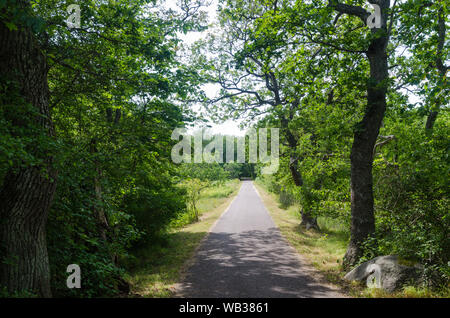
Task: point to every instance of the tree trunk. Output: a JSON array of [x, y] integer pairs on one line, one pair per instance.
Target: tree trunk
[[441, 67], [26, 193], [365, 136], [308, 221], [431, 119]]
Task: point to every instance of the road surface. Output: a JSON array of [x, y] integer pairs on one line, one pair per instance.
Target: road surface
[[245, 255]]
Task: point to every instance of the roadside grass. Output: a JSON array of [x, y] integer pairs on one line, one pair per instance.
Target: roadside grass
[[157, 268], [407, 292], [325, 250]]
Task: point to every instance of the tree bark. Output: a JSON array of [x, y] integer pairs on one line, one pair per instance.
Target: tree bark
[[365, 136], [309, 222], [431, 119], [26, 193]]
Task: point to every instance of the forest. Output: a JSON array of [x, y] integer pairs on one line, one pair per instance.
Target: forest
[[90, 98]]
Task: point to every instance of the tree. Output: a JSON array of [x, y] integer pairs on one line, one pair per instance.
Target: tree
[[366, 132], [196, 177], [250, 65], [260, 58], [27, 191]]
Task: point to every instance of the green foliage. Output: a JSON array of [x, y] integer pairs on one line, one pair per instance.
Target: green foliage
[[154, 207], [22, 294], [194, 187], [119, 86], [196, 177], [114, 86], [208, 172], [23, 145], [239, 170], [298, 66], [411, 190]]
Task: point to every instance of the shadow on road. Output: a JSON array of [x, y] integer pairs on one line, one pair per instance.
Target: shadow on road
[[250, 264]]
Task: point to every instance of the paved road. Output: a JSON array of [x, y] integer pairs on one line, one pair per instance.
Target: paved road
[[245, 256]]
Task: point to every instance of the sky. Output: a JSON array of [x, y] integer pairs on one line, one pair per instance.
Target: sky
[[229, 127]]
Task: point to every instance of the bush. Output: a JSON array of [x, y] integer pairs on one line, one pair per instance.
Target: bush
[[286, 199], [155, 208], [73, 236], [412, 202]]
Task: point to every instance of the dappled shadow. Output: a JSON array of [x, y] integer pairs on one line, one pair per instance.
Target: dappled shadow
[[253, 263]]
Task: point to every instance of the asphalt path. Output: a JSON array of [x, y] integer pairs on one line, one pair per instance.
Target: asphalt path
[[245, 255]]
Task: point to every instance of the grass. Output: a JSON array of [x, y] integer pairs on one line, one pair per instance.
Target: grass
[[158, 267], [407, 292], [325, 250], [212, 197]]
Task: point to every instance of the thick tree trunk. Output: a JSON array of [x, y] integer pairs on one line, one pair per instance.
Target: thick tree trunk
[[26, 197], [366, 133], [26, 193], [309, 222]]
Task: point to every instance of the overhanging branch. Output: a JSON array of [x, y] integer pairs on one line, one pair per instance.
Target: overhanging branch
[[350, 10]]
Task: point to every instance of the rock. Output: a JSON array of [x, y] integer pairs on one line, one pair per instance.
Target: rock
[[387, 272]]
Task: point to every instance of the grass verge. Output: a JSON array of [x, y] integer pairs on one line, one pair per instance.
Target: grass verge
[[158, 267]]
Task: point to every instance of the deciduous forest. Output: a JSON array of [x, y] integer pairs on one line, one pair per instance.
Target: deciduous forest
[[88, 112]]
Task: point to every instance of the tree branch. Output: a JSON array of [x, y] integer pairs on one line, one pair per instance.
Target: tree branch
[[386, 140], [350, 10]]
